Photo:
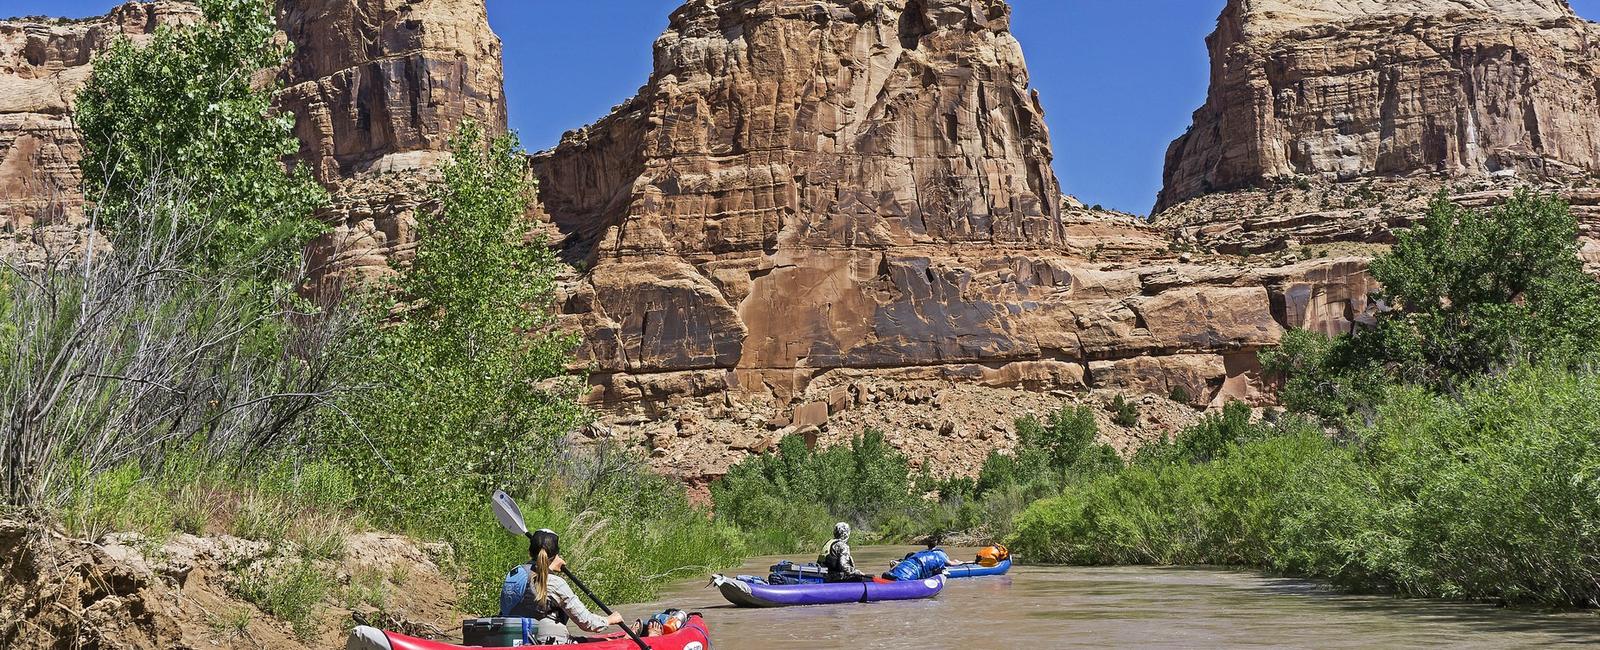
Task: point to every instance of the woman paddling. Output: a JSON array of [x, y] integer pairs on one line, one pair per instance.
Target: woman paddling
[[530, 591]]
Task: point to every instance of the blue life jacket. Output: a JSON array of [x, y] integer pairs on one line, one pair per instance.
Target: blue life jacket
[[920, 565], [515, 601]]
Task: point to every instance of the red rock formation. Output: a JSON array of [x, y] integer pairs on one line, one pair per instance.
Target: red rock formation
[[816, 213], [1338, 90], [377, 88], [811, 200], [793, 180], [42, 66], [382, 85]]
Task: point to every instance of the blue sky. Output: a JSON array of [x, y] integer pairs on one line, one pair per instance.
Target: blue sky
[[1119, 78]]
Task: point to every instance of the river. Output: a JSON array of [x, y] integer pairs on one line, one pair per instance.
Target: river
[[1068, 607]]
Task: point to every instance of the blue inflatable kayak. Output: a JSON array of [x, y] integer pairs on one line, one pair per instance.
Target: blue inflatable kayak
[[978, 570], [790, 573], [746, 591]]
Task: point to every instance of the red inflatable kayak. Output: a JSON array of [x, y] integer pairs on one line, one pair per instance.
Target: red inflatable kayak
[[693, 636]]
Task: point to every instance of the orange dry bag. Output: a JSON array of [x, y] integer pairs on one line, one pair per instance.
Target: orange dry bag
[[992, 555]]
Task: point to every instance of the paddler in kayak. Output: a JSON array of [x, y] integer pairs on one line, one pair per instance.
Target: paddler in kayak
[[923, 564], [530, 591], [835, 558]]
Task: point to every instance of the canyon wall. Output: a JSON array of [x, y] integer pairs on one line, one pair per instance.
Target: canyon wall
[[823, 215], [819, 216], [1335, 120], [376, 87], [1344, 89]]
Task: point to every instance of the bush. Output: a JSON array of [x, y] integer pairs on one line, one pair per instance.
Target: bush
[[795, 493], [1482, 289], [1216, 434], [1058, 450], [1488, 495], [467, 390], [1180, 395], [1124, 413], [1066, 442], [184, 106], [1472, 292]]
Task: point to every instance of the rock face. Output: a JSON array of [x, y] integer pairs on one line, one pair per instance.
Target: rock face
[[376, 87], [42, 66], [1340, 90], [793, 181], [382, 85], [811, 204]]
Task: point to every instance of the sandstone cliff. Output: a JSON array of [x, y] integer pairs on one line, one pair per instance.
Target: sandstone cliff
[[843, 213], [42, 66], [816, 216], [1337, 90], [1334, 122], [376, 87]]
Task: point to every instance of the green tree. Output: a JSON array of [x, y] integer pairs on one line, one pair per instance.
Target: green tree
[[1478, 289], [183, 108], [468, 382], [1067, 440], [1470, 292]]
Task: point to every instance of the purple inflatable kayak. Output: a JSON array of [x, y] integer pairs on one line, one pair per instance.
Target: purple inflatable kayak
[[756, 594]]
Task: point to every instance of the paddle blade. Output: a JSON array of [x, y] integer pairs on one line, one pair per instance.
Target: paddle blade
[[506, 511]]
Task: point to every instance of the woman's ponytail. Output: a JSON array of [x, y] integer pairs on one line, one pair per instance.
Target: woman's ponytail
[[541, 576], [548, 548]]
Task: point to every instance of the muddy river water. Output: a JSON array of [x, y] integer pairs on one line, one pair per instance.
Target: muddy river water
[[1071, 607]]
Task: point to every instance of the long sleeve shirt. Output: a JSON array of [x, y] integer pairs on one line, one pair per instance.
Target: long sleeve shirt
[[576, 611], [838, 557]]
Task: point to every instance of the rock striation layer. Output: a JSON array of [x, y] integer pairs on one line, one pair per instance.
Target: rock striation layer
[[1341, 90]]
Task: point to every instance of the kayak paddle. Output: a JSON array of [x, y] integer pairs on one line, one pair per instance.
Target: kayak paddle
[[505, 509]]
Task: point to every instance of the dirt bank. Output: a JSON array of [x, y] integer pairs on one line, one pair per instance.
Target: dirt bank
[[129, 592]]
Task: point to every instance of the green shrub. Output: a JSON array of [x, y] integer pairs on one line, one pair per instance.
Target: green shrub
[[465, 396], [1215, 434], [1482, 289], [1491, 494], [796, 493], [1180, 395], [185, 105], [1124, 413], [1471, 292], [290, 593]]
